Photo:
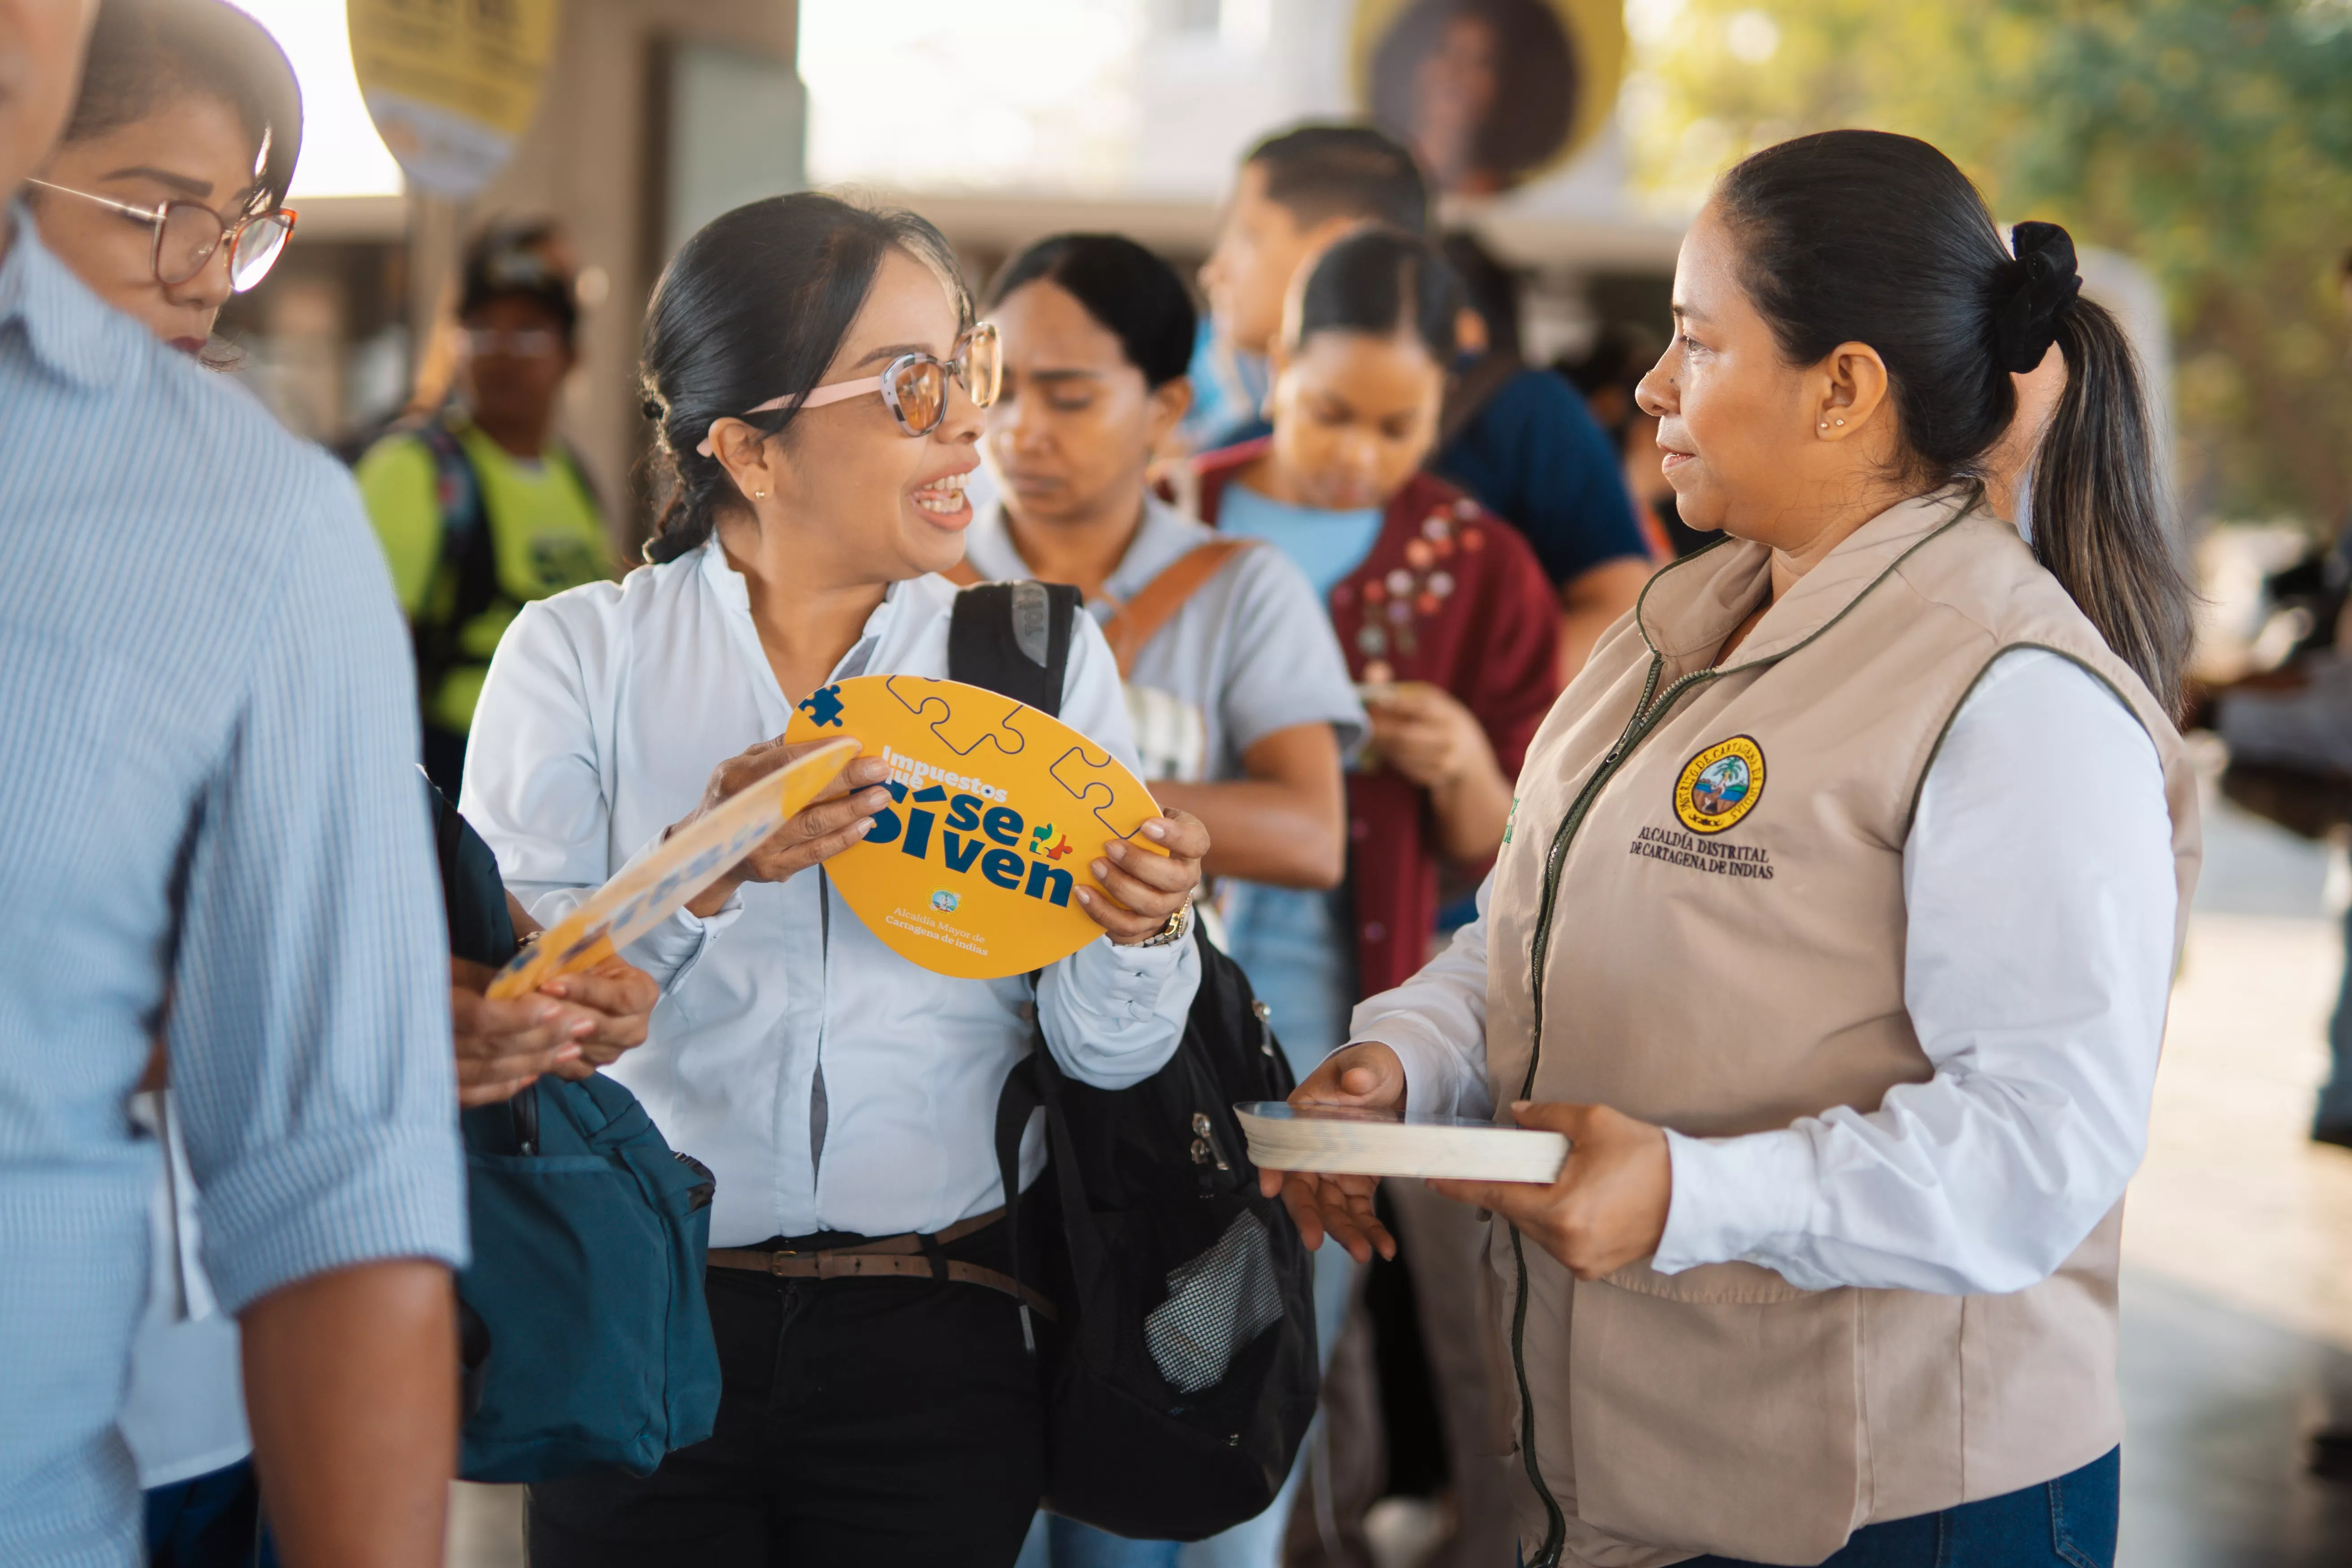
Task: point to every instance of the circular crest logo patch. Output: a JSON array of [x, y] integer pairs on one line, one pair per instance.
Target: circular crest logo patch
[[1720, 785]]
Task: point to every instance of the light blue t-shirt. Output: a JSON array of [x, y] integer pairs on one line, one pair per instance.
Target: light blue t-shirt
[[1292, 943], [1326, 546]]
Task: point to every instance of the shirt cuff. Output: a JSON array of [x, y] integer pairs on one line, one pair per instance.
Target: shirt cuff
[[358, 1195], [1732, 1196], [1127, 982], [669, 951], [1434, 1083]]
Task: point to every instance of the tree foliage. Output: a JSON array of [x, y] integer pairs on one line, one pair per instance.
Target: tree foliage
[[2208, 140]]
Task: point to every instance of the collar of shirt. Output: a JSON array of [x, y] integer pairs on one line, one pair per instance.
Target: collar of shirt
[[71, 333], [1166, 535], [734, 591]]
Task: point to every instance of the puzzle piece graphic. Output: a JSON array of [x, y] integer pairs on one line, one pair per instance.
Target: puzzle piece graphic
[[824, 707], [1079, 774], [961, 726]]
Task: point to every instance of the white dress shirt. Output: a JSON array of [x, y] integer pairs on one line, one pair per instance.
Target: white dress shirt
[[2039, 896], [827, 1082]]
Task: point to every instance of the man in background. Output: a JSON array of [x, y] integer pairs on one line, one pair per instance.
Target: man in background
[[1523, 442], [1515, 438], [209, 799], [478, 507]]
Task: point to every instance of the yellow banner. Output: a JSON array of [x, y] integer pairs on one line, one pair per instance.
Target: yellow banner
[[452, 84]]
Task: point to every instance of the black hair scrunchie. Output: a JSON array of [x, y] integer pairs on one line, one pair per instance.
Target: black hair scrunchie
[[653, 409], [2025, 323]]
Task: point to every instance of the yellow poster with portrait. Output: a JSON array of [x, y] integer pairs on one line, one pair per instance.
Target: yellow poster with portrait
[[1489, 94], [997, 811], [451, 84]]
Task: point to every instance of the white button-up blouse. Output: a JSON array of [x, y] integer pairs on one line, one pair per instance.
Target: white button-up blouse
[[827, 1082]]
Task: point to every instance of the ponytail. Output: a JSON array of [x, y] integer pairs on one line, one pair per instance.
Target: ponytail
[[2098, 523], [1866, 236]]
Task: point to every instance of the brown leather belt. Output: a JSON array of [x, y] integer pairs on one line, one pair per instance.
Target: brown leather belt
[[893, 1257]]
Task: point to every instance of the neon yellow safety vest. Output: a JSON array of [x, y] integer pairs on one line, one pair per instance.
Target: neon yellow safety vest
[[546, 535]]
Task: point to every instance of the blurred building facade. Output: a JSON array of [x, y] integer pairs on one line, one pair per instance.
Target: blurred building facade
[[658, 114], [1000, 124]]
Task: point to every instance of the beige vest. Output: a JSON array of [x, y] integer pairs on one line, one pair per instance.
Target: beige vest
[[1724, 957]]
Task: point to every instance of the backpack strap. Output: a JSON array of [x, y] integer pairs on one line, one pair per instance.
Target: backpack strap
[[1015, 639], [468, 555], [1139, 620], [1021, 1097]]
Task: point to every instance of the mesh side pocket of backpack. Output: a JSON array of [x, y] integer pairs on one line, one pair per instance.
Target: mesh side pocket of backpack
[[1218, 1301]]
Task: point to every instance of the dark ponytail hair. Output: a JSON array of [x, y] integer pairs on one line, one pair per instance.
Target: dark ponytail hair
[[1864, 236], [1131, 294], [142, 52], [755, 305], [1383, 281]]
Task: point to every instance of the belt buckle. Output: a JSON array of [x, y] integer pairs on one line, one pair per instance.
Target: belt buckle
[[776, 1261]]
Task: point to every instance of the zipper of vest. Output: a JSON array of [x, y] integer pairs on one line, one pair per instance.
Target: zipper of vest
[[1647, 713]]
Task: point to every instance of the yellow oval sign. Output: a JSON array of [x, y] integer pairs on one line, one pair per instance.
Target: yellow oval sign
[[450, 86], [1720, 785], [997, 810]]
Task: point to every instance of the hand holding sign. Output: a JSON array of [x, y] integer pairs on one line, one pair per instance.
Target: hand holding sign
[[1147, 879], [833, 818], [773, 784], [1008, 840]]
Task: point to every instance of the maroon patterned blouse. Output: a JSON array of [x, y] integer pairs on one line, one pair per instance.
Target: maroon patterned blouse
[[1450, 595]]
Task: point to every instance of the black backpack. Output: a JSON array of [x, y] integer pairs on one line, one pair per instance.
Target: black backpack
[[1184, 1372]]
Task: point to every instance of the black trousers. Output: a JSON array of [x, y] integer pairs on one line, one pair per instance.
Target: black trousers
[[861, 1422]]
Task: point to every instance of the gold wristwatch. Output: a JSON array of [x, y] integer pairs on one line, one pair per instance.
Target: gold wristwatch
[[1179, 926]]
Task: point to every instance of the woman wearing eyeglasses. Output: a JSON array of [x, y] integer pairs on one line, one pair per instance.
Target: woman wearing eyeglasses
[[816, 380], [168, 193]]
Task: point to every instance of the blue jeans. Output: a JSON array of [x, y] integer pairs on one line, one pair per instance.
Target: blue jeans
[[209, 1522], [2066, 1523]]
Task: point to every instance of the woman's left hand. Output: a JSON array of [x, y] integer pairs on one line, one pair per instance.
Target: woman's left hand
[[1147, 890], [1608, 1208], [1424, 732]]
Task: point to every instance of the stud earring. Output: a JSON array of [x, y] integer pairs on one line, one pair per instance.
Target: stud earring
[[758, 495], [1841, 421]]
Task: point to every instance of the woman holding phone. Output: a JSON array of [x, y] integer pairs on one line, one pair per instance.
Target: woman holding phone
[[817, 380], [1838, 922]]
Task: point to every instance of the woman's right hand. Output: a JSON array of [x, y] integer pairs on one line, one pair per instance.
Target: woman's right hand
[[570, 1028], [830, 824], [503, 1047], [1370, 1074]]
